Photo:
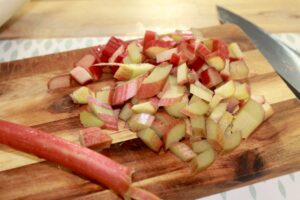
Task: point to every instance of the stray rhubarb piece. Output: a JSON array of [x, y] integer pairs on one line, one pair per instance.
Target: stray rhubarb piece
[[105, 95], [126, 90], [198, 126], [232, 141], [201, 92], [134, 52], [235, 51], [218, 112], [104, 112], [196, 109], [214, 134], [225, 121], [140, 121], [166, 55], [129, 71], [88, 119], [215, 60], [182, 74], [141, 194], [203, 160], [126, 112], [210, 77], [258, 98], [174, 133], [216, 99], [61, 81], [153, 51], [150, 138], [81, 75], [238, 70], [94, 137], [79, 159], [182, 151], [242, 91], [249, 117], [81, 95], [154, 83], [268, 110], [175, 109], [145, 107], [226, 90], [200, 146]]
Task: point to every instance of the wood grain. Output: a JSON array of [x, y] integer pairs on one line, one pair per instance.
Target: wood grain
[[65, 18], [272, 150]]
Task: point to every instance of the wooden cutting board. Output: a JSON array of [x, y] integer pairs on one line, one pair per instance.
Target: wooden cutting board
[[273, 150]]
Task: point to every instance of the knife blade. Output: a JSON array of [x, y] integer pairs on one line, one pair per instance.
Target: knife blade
[[284, 60]]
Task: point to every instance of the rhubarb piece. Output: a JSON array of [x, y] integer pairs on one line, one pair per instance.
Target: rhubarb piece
[[188, 126], [105, 95], [148, 38], [225, 121], [182, 74], [104, 112], [166, 55], [140, 121], [222, 48], [126, 112], [61, 81], [96, 72], [94, 137], [141, 194], [182, 151], [86, 61], [215, 60], [200, 146], [80, 96], [81, 75], [238, 70], [225, 73], [175, 59], [154, 83], [187, 51], [110, 48], [126, 60], [192, 76], [203, 51], [201, 92], [145, 107], [216, 99], [198, 126], [242, 91], [134, 53], [210, 77], [175, 133], [175, 109], [118, 55], [172, 95], [268, 110], [79, 159], [232, 141], [195, 109], [129, 71], [232, 104], [153, 51], [150, 138], [226, 90], [214, 134], [126, 90], [87, 119], [249, 117], [171, 81], [203, 160], [218, 112], [235, 51]]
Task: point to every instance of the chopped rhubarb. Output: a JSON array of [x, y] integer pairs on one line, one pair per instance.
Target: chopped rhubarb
[[105, 95], [61, 81], [196, 64], [140, 121], [95, 138], [175, 59], [118, 55], [165, 55], [203, 51], [182, 151], [112, 45], [81, 75], [134, 52], [88, 119], [210, 77], [79, 159], [81, 95], [150, 138], [126, 112], [86, 61], [148, 38]]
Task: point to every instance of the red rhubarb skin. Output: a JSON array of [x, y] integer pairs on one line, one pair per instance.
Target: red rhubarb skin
[[81, 160], [148, 90]]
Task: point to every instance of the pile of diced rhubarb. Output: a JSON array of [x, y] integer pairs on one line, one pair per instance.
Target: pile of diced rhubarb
[[168, 88]]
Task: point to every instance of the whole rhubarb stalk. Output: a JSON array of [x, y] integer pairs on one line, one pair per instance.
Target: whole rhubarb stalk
[[79, 159]]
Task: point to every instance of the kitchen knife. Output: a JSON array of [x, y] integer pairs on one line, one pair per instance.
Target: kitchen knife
[[284, 60]]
